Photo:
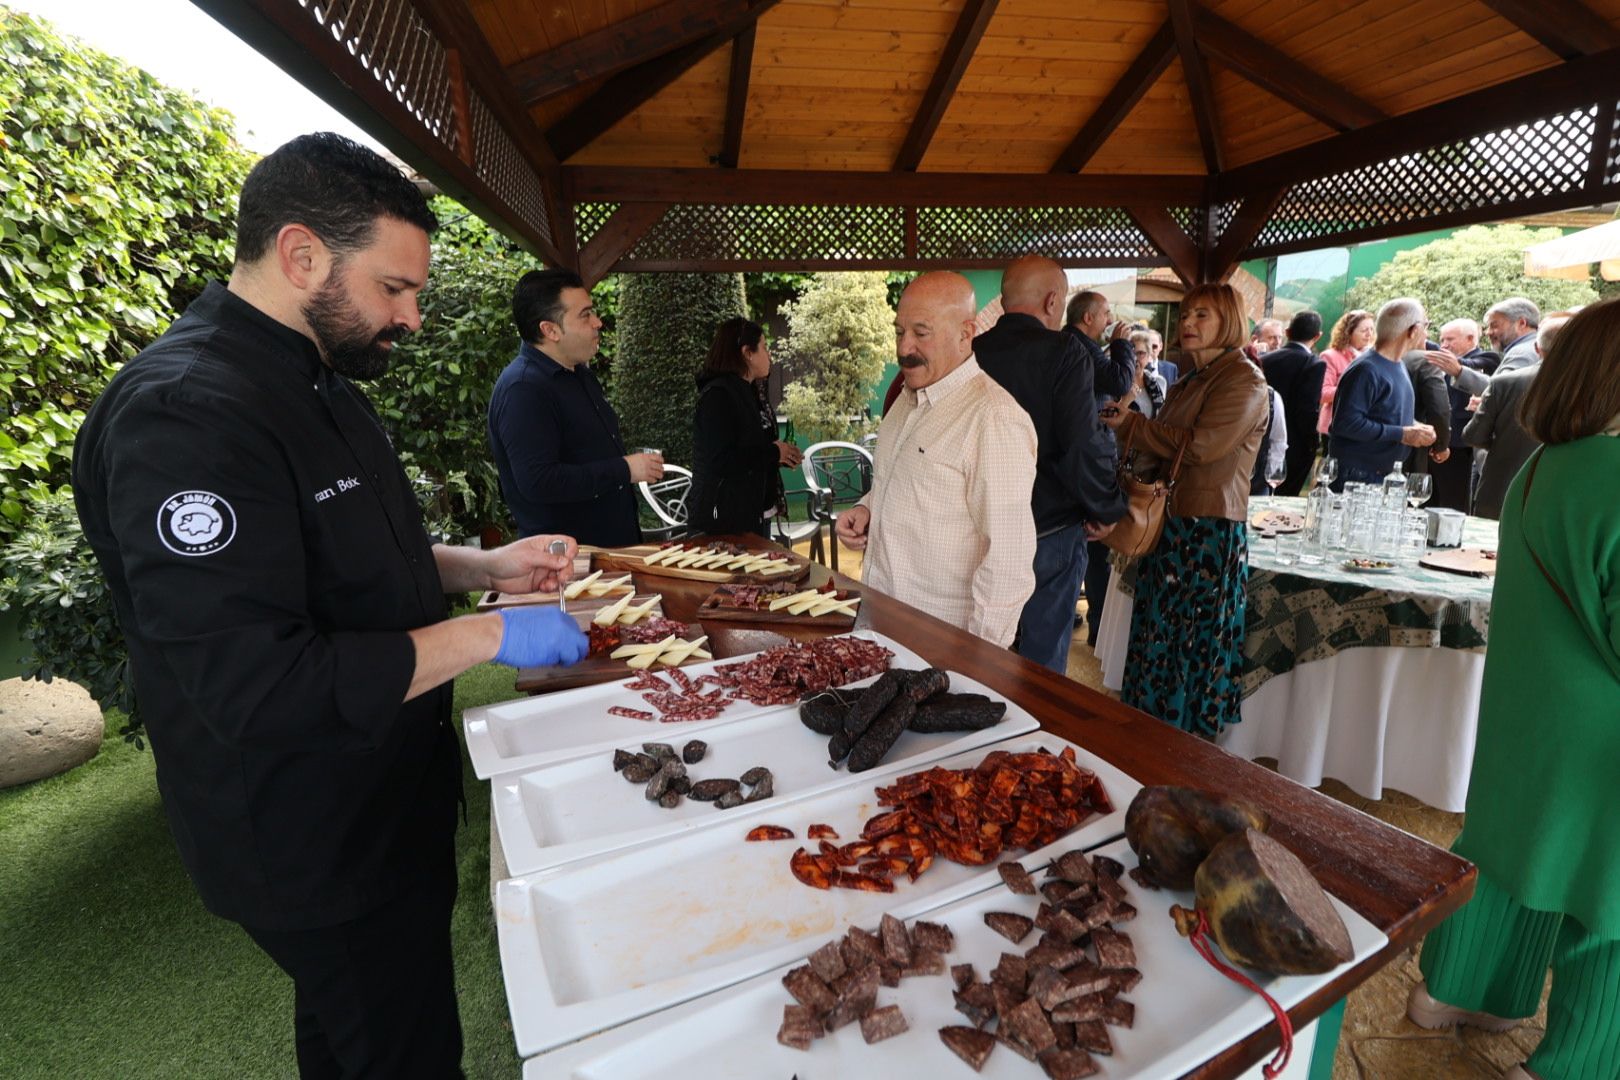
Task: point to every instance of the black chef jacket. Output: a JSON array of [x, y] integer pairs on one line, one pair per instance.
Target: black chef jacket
[[557, 447], [266, 557]]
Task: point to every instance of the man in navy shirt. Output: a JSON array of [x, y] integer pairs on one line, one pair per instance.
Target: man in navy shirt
[[554, 436], [1373, 409]]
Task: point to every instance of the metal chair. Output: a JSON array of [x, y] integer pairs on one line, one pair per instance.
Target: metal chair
[[667, 498], [787, 532], [837, 474]]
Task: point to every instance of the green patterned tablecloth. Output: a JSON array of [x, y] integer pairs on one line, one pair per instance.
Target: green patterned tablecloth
[[1301, 613]]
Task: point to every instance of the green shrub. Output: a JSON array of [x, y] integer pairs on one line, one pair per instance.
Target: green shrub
[[666, 324], [117, 203], [52, 577], [840, 336], [1460, 276]]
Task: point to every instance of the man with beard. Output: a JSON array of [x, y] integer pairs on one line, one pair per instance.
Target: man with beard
[[554, 436], [947, 526], [285, 610]]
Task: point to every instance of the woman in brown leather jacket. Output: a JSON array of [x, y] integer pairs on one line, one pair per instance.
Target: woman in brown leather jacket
[[1185, 662]]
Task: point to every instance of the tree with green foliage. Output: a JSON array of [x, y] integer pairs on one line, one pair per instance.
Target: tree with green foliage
[[840, 335], [435, 396], [1462, 275], [117, 204], [666, 324]]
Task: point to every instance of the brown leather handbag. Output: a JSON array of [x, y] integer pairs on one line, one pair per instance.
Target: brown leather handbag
[[1147, 502]]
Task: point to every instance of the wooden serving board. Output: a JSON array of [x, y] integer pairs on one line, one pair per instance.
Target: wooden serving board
[[839, 621], [593, 670], [494, 601], [1474, 562], [1278, 521], [619, 560]]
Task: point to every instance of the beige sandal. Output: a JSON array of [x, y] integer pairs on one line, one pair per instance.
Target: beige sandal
[[1427, 1012]]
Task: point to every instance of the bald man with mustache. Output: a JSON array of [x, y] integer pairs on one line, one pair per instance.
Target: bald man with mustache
[[947, 526]]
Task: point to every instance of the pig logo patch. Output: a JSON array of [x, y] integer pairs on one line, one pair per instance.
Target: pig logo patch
[[195, 523]]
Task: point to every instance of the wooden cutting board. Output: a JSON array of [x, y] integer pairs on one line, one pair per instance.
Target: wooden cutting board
[[1278, 521], [593, 669], [494, 601], [711, 608], [619, 560], [1474, 562]]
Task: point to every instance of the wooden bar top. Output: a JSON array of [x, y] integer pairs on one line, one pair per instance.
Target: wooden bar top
[[1403, 885]]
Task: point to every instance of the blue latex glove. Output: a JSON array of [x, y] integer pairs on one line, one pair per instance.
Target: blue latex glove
[[539, 637]]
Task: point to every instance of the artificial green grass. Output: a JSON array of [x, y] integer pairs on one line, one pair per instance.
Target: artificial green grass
[[111, 967]]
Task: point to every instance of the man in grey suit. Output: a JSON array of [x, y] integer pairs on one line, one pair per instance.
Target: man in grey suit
[[1495, 427], [1511, 325]]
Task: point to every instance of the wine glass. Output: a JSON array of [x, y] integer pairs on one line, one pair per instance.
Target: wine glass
[[1328, 471], [1419, 486], [1276, 473]]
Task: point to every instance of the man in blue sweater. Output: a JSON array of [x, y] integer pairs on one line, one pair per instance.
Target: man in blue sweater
[[1373, 409]]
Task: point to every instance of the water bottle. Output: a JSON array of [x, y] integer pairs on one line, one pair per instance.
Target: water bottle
[[1395, 489], [1315, 539]]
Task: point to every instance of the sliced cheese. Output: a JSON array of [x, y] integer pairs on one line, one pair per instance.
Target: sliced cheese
[[802, 606], [777, 567], [577, 589], [610, 614], [663, 554], [650, 649], [602, 588], [832, 604], [681, 652], [783, 601], [631, 616]]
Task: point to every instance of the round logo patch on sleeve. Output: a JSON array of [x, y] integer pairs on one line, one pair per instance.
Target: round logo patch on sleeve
[[195, 523]]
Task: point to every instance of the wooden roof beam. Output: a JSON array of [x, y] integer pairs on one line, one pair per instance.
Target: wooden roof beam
[[742, 69], [624, 44], [1568, 28], [1170, 238], [1199, 91], [1295, 83], [617, 236], [953, 62], [802, 187], [627, 91], [1518, 101], [1222, 261], [1138, 78]]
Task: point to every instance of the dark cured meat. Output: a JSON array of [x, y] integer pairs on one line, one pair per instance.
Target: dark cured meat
[[1074, 1064], [977, 1002], [823, 714], [710, 790], [924, 684], [875, 700], [927, 935], [1016, 878], [884, 1023], [1114, 950], [621, 758], [958, 712], [896, 942], [970, 1044], [827, 962], [628, 713], [800, 1027], [1014, 928], [881, 734], [808, 990], [693, 752]]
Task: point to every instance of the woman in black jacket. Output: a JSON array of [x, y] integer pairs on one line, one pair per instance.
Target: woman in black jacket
[[736, 484]]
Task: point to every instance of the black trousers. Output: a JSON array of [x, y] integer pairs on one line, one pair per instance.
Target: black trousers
[[1453, 479], [1096, 586], [376, 996]]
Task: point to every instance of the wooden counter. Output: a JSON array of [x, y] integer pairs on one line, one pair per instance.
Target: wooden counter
[[1403, 885]]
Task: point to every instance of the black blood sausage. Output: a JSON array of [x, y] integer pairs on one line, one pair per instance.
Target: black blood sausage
[[958, 712], [881, 734], [875, 700]]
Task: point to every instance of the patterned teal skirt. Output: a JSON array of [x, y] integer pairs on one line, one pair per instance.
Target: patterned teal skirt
[[1185, 664]]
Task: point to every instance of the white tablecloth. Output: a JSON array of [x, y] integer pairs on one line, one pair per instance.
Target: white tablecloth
[[1370, 717]]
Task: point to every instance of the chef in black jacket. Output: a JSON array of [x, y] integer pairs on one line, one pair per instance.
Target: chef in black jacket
[[736, 457], [285, 610]]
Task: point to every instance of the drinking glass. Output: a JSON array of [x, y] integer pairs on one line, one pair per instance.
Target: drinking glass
[[1419, 486], [1276, 473], [1328, 471]]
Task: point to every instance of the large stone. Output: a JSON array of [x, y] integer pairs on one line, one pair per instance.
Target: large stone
[[45, 729]]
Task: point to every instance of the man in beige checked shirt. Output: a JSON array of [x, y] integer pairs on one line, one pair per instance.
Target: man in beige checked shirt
[[947, 525]]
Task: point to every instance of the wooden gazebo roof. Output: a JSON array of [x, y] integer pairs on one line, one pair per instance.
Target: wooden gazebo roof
[[802, 134]]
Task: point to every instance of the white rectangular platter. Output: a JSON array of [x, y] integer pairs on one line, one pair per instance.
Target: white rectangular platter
[[1186, 1012], [575, 809], [593, 944], [534, 731]]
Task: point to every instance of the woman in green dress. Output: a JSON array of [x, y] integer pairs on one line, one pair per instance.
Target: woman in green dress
[[1541, 799]]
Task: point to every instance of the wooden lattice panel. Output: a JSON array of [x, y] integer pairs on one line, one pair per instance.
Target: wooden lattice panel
[[498, 163], [391, 43], [589, 219], [1547, 158], [1190, 218], [754, 234], [1221, 215], [1611, 174], [1068, 234]]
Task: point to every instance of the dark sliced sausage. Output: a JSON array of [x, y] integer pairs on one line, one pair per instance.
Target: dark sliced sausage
[[880, 736], [823, 714], [924, 684], [958, 712], [875, 700]]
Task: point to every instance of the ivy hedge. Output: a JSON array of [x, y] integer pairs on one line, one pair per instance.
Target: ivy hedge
[[666, 323], [117, 204]]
